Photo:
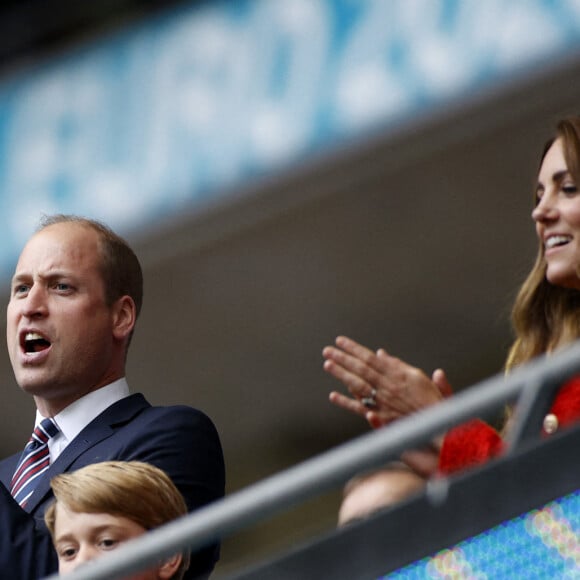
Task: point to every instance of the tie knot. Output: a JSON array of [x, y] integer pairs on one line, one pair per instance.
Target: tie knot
[[44, 431], [34, 461]]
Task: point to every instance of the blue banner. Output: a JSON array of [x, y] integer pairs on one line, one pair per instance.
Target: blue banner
[[179, 109]]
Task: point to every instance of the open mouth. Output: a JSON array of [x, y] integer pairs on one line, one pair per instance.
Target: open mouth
[[34, 342], [555, 241]]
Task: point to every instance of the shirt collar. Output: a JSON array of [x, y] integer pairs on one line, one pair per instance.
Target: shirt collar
[[74, 418]]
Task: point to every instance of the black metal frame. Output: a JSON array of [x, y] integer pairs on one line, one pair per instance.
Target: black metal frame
[[448, 513]]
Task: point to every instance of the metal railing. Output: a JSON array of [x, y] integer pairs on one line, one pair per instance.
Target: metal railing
[[531, 385]]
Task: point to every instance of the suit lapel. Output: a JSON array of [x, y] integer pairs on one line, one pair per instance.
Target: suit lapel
[[7, 469], [96, 431]]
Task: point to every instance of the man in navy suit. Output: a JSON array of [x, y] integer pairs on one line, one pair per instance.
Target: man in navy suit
[[75, 297]]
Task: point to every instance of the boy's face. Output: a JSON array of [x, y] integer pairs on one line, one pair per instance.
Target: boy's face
[[80, 537]]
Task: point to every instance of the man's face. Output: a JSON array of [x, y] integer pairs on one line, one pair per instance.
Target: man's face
[[59, 328]]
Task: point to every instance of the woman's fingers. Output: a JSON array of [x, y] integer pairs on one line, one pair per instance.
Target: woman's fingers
[[355, 374], [347, 403], [424, 461], [440, 379], [384, 388]]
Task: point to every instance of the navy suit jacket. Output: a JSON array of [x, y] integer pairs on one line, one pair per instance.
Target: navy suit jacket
[[180, 440]]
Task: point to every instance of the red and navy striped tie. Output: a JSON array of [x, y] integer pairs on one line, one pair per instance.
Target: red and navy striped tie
[[34, 461]]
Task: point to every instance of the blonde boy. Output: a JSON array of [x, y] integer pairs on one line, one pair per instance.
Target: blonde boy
[[101, 506]]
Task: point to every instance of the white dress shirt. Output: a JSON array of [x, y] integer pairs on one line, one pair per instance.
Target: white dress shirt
[[74, 418]]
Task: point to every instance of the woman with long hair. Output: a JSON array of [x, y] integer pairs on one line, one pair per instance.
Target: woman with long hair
[[545, 317]]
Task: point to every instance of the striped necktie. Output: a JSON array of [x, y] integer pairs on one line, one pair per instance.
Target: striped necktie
[[33, 462]]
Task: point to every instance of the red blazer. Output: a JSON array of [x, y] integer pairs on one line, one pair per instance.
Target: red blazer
[[475, 442]]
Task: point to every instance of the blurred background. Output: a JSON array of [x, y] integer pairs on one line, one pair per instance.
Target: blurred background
[[287, 172]]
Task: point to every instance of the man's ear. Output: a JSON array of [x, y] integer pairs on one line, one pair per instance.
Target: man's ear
[[124, 317], [169, 566]]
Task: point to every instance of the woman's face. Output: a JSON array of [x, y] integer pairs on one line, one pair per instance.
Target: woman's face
[[557, 217]]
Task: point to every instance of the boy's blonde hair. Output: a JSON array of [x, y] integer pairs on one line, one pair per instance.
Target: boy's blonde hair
[[137, 491]]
